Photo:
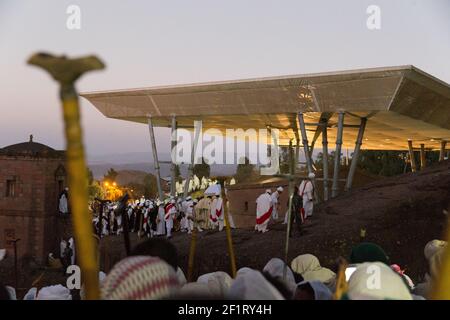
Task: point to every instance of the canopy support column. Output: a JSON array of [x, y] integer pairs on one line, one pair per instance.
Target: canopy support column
[[412, 159], [155, 157], [442, 150], [325, 160], [173, 145], [197, 132], [423, 159], [355, 157], [301, 121], [337, 155]]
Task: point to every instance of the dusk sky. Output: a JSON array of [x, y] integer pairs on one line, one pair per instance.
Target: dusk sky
[[147, 43]]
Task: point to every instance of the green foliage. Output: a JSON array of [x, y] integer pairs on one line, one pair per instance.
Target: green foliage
[[319, 160], [90, 176], [149, 186], [202, 169], [95, 190], [178, 176], [383, 163]]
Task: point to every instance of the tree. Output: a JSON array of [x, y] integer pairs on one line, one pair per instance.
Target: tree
[[150, 186], [202, 169], [178, 176], [244, 171], [383, 163], [111, 175], [284, 160], [90, 176], [95, 190]]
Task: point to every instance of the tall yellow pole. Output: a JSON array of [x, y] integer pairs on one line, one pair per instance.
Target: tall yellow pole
[[228, 231], [66, 71]]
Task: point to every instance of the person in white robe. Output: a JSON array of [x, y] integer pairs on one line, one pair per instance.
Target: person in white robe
[[191, 217], [169, 216], [276, 203], [161, 225], [212, 213], [64, 202], [306, 191], [184, 205], [202, 212], [219, 211], [71, 244], [263, 211]]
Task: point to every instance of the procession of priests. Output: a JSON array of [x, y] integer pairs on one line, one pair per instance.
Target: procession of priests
[[152, 217], [268, 205]]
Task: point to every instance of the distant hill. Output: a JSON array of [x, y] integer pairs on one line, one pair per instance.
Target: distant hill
[[125, 177], [100, 169]]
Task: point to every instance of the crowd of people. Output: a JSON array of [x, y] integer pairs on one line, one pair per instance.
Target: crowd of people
[[152, 271], [152, 217]]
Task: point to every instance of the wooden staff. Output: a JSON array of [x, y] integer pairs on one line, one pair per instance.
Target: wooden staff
[[66, 71], [229, 239], [341, 281], [192, 249]]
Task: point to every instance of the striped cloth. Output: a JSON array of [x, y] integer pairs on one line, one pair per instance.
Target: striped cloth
[[140, 278]]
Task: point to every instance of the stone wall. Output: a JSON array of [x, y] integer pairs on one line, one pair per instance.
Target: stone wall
[[31, 214]]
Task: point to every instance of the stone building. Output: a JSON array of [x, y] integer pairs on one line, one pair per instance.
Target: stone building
[[242, 199], [31, 177]]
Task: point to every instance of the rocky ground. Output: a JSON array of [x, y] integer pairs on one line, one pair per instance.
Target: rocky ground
[[400, 213]]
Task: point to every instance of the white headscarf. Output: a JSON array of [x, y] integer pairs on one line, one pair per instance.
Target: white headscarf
[[181, 277], [309, 267], [321, 291], [57, 292], [432, 247], [377, 281], [275, 267], [194, 289], [2, 254], [218, 282], [11, 292], [251, 285], [31, 294]]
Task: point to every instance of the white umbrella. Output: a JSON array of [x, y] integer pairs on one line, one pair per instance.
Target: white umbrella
[[213, 189]]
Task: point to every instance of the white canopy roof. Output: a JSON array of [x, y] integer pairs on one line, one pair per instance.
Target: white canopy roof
[[401, 102]]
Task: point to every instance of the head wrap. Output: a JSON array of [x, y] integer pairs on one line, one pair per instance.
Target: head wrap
[[309, 267], [2, 254], [311, 175], [280, 189], [321, 291], [377, 281], [31, 294], [432, 247], [251, 285], [218, 282], [368, 252], [181, 277], [57, 292], [140, 278], [275, 267]]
